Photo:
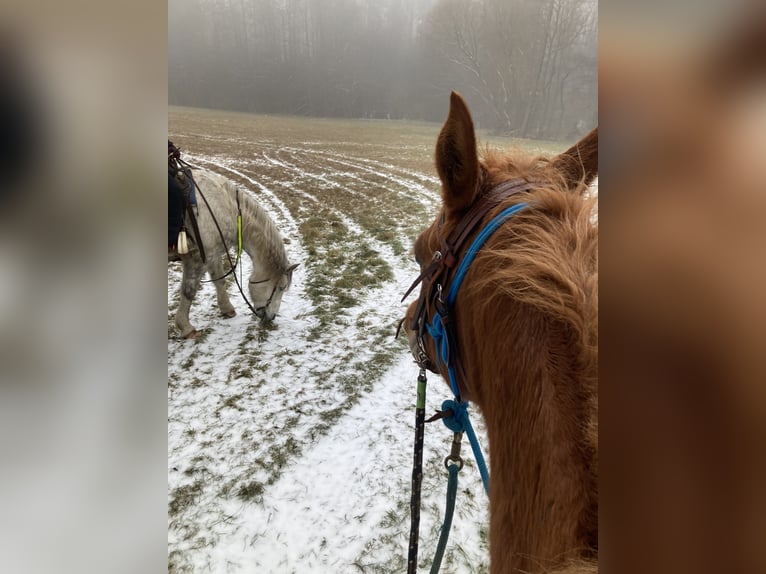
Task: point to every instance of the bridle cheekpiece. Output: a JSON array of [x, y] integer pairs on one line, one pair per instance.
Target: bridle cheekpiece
[[442, 277]]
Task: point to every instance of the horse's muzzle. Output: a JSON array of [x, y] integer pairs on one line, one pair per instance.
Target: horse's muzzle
[[265, 315]]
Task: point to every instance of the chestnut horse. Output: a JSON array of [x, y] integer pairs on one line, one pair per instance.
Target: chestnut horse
[[525, 329]]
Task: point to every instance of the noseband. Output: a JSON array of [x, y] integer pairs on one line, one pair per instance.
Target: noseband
[[271, 297], [442, 278]]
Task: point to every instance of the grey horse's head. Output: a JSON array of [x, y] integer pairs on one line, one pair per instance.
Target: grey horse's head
[[266, 294]]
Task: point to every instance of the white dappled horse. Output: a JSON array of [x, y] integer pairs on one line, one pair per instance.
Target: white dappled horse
[[219, 202]]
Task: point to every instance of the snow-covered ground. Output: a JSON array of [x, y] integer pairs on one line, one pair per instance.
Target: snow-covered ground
[[290, 448]]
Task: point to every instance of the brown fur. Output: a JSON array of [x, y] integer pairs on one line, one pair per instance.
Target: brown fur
[[682, 376], [527, 317]]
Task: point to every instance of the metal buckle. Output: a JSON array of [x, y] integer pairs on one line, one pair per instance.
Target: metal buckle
[[454, 455]]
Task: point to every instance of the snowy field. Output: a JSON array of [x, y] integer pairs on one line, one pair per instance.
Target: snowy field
[[290, 447]]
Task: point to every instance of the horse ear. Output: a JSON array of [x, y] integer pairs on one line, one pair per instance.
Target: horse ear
[[579, 164], [457, 160], [291, 268]]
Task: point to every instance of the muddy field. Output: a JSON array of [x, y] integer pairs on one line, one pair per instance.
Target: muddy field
[[289, 447]]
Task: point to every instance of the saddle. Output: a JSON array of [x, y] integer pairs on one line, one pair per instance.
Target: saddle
[[182, 207]]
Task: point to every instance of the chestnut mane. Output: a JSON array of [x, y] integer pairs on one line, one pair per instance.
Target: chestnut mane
[[527, 334]]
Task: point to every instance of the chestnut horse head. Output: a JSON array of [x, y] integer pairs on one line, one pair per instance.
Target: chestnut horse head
[[523, 332]]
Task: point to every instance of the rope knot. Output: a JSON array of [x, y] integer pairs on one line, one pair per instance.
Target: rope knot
[[458, 420]]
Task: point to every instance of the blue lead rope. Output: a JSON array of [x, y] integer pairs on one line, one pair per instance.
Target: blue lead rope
[[460, 422], [436, 327], [453, 469]]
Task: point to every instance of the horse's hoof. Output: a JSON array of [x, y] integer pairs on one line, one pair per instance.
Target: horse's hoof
[[229, 314], [193, 334]]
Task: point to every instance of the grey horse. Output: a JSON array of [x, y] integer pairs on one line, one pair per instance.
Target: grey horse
[[261, 240]]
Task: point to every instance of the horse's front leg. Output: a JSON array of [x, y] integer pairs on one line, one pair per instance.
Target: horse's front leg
[[192, 274], [217, 270]]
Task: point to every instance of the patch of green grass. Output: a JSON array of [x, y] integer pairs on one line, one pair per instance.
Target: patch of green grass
[[191, 471], [178, 564], [333, 415], [239, 372], [184, 496], [391, 519], [484, 535], [202, 336], [264, 328], [189, 362], [232, 401], [251, 492]]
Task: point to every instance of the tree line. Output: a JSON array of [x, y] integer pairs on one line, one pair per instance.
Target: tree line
[[527, 67]]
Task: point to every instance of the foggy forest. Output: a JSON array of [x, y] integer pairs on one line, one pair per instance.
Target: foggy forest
[[527, 67]]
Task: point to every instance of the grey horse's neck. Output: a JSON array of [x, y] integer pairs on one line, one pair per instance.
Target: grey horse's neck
[[260, 236]]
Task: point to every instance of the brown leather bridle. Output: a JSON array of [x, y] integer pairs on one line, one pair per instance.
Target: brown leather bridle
[[438, 274]]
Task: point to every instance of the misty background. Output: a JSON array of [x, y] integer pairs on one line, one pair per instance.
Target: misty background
[[528, 68]]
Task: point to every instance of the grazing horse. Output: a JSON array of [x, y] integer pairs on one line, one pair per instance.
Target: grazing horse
[[524, 334], [219, 203]]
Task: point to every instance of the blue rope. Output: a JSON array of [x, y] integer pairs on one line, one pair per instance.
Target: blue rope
[[465, 263], [436, 328], [453, 469], [439, 335], [460, 422]]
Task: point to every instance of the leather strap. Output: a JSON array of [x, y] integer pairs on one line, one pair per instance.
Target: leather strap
[[480, 208], [442, 266]]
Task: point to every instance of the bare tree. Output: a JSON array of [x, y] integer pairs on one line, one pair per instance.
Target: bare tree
[[529, 65], [517, 57]]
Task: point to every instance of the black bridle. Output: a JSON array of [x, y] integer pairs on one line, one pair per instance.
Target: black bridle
[[271, 297]]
